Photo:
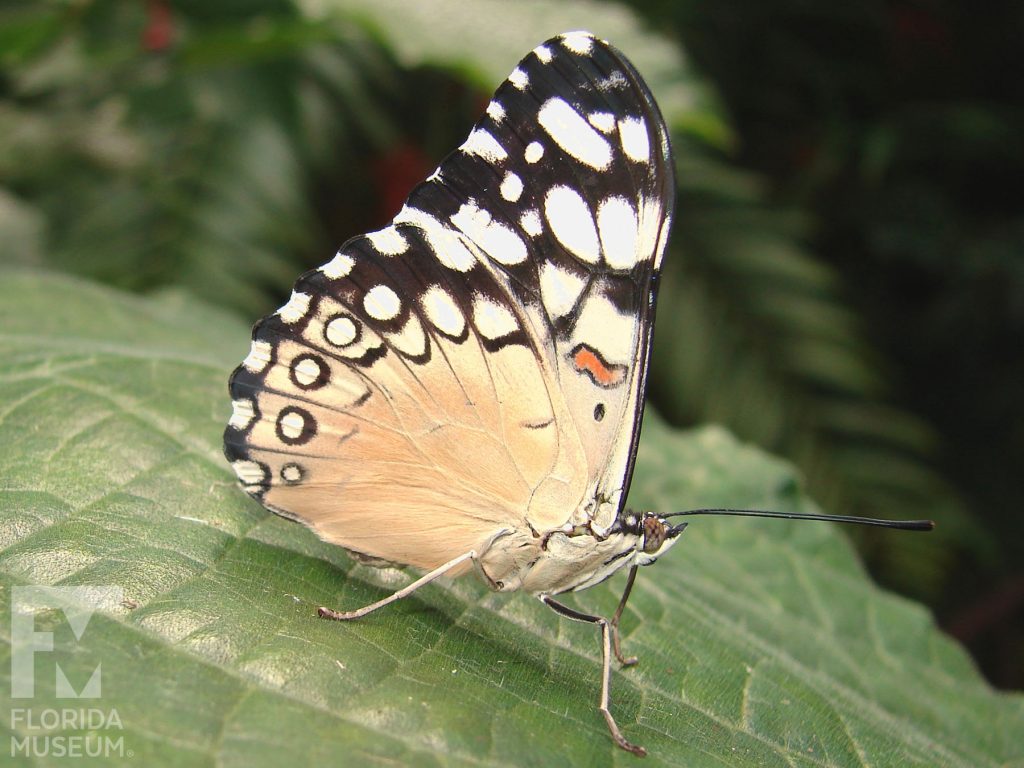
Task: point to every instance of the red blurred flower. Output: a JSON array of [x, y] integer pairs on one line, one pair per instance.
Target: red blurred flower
[[395, 173], [159, 31]]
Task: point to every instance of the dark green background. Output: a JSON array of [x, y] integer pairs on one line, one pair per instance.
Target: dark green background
[[844, 288]]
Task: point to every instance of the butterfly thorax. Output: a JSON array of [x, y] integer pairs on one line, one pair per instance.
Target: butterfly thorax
[[576, 556]]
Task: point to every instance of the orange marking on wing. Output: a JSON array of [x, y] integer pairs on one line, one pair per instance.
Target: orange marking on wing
[[589, 362]]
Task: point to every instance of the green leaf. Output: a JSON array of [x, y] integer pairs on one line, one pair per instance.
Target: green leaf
[[761, 642]]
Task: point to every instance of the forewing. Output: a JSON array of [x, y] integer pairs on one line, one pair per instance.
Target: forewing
[[566, 186]]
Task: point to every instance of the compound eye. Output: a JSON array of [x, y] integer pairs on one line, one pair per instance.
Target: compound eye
[[655, 533]]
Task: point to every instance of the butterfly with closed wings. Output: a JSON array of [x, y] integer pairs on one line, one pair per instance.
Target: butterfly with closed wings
[[464, 387]]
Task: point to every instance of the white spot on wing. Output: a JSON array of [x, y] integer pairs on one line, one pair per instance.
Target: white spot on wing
[[616, 221], [519, 79], [635, 142], [559, 289], [382, 303], [511, 187], [341, 331], [531, 223], [570, 219], [307, 370], [296, 308], [258, 357], [603, 121], [243, 411], [650, 228], [574, 134], [534, 152], [495, 111], [662, 240], [388, 241], [442, 311], [292, 473], [571, 132], [446, 244], [249, 472], [578, 42], [603, 327], [411, 339], [483, 144], [492, 320], [543, 53], [338, 267], [494, 238], [292, 424]]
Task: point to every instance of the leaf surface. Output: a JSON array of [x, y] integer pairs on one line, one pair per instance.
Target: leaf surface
[[761, 642]]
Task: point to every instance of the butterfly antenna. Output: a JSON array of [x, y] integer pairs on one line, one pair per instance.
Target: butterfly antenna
[[904, 525]]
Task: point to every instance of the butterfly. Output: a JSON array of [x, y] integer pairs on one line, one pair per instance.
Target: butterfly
[[463, 389]]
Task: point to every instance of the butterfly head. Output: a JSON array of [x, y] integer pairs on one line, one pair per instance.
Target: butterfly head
[[635, 538], [654, 535]]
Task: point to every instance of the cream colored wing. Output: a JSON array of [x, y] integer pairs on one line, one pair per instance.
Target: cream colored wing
[[396, 412], [478, 365]]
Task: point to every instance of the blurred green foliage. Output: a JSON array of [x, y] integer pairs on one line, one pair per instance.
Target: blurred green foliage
[[845, 285], [897, 129]]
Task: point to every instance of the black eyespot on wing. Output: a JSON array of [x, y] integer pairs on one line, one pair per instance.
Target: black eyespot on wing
[[309, 371], [295, 426]]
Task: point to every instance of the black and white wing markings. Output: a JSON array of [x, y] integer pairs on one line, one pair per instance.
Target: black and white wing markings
[[572, 157], [572, 161], [481, 359]]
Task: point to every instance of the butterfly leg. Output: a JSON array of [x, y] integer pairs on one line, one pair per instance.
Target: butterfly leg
[[616, 646], [606, 668], [327, 613]]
